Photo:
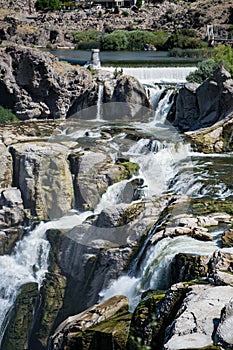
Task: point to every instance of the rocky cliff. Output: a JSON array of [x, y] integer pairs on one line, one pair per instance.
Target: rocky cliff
[[204, 112], [35, 85]]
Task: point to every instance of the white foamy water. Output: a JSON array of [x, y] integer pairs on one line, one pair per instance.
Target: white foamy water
[[28, 262], [148, 75]]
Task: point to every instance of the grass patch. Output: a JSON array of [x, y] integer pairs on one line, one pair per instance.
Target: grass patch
[[6, 116]]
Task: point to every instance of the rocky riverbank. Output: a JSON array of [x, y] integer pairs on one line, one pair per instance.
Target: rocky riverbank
[[50, 166], [55, 29]]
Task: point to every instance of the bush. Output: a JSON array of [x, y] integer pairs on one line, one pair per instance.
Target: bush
[[185, 40], [139, 3], [86, 40], [6, 115], [224, 54], [115, 41], [133, 40], [204, 70], [138, 38], [45, 5], [116, 10], [160, 40], [125, 14]]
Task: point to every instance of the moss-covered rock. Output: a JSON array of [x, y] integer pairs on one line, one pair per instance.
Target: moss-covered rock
[[103, 326], [52, 295], [151, 318], [20, 318]]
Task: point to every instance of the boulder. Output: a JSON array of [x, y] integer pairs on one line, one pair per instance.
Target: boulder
[[224, 336], [202, 106], [6, 167], [20, 318], [194, 325], [11, 208], [227, 238], [42, 173], [35, 85], [102, 326]]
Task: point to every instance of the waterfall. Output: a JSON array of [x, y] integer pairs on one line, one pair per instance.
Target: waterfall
[[28, 262], [164, 106], [99, 113], [157, 74]]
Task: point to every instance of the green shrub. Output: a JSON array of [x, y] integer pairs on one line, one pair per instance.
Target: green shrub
[[125, 14], [204, 70], [115, 41], [116, 10], [6, 115], [224, 54], [138, 38], [45, 5], [139, 3], [184, 40], [160, 39], [86, 40]]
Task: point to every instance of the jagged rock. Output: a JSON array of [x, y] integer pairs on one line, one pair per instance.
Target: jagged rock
[[35, 85], [221, 268], [51, 300], [20, 318], [207, 104], [186, 267], [216, 138], [224, 336], [227, 238], [194, 325], [8, 238], [41, 172], [151, 317], [102, 326], [6, 167], [11, 208]]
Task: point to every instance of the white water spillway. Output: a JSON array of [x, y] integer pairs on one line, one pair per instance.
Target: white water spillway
[[174, 75]]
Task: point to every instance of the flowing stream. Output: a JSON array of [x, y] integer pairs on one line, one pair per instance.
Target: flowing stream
[[167, 164]]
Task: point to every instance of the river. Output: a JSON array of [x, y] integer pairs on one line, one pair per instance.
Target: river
[[167, 165]]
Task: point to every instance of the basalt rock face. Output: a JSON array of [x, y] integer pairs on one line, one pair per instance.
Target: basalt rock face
[[35, 85], [202, 106]]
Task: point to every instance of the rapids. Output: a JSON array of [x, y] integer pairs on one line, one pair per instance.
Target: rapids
[[167, 165]]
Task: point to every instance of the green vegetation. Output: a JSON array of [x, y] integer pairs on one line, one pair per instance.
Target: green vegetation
[[224, 54], [6, 115], [185, 39], [204, 70], [45, 5], [115, 41], [86, 40]]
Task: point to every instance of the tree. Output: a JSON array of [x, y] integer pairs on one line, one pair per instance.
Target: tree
[[224, 54]]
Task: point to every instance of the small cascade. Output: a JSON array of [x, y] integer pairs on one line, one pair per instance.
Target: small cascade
[[154, 93], [99, 113], [154, 273], [164, 106], [28, 262]]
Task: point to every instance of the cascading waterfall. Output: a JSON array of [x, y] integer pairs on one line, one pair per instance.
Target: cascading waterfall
[[28, 263], [165, 166], [99, 113]]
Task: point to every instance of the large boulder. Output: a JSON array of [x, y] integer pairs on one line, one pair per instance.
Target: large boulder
[[102, 326], [202, 106], [42, 173], [194, 325]]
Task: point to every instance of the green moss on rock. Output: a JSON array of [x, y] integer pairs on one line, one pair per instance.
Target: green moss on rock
[[20, 318]]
